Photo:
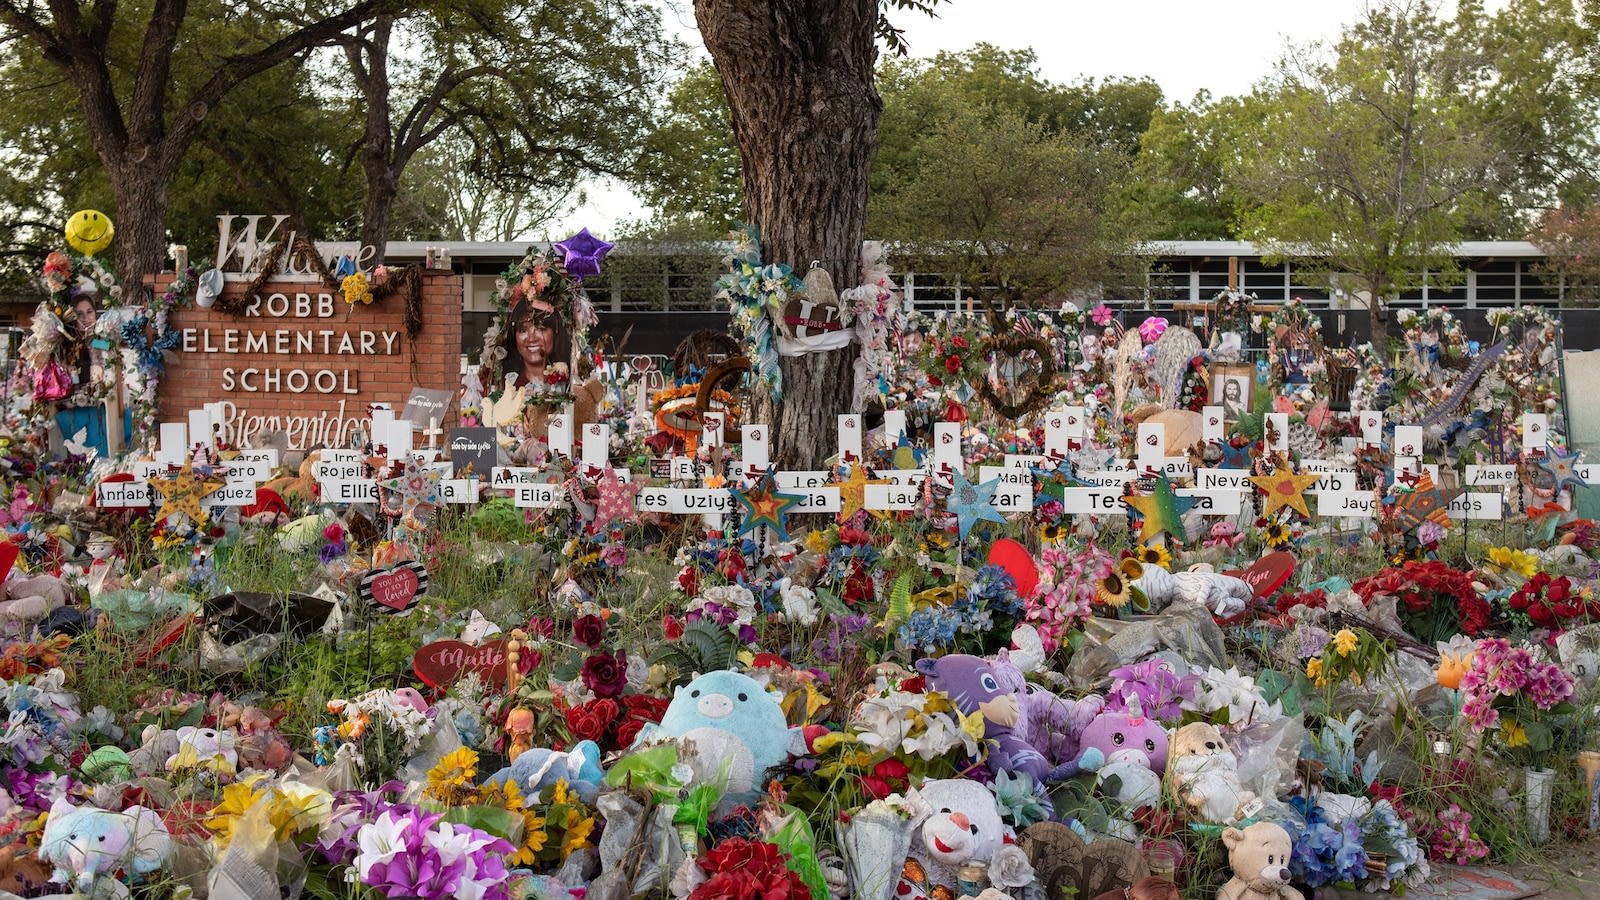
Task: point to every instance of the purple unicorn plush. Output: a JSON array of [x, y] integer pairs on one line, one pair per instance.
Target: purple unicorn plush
[[973, 686]]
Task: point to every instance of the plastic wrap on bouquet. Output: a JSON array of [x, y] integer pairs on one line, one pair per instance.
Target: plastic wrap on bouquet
[[1184, 627], [875, 844]]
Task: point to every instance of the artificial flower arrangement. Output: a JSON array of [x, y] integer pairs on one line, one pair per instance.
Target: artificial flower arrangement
[[1517, 699]]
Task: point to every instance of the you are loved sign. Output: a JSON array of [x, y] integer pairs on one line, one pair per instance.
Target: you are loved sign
[[395, 589]]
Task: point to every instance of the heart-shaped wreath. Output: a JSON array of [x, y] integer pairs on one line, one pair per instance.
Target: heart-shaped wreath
[[1021, 374]]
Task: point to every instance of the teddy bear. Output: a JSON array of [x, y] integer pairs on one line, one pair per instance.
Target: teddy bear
[[89, 846], [1204, 774], [962, 826], [972, 685], [736, 728], [1259, 856], [1132, 748]]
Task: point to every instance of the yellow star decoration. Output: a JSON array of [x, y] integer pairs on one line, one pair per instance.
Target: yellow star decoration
[[853, 491], [183, 493], [1284, 488]]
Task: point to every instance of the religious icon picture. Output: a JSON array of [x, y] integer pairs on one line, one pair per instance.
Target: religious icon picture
[[1230, 389]]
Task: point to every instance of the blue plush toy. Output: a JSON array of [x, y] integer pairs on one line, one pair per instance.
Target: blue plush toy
[[538, 768], [737, 727], [90, 846]]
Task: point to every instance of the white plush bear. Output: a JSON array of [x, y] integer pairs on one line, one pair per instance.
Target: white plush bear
[[1204, 774], [963, 826]]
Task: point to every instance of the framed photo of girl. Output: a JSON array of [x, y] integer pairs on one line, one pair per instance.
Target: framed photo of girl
[[1230, 389]]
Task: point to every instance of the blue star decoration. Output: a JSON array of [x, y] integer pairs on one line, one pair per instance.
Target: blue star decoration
[[764, 505], [1562, 468], [972, 503], [1235, 457], [583, 252]]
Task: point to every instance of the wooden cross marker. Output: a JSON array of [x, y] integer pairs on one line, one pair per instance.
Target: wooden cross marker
[[433, 431]]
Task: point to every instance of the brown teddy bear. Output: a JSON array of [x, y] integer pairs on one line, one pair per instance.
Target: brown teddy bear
[[1259, 855], [1203, 773]]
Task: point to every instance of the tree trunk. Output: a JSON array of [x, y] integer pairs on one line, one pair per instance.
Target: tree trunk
[[799, 80], [141, 194], [368, 55], [378, 211]]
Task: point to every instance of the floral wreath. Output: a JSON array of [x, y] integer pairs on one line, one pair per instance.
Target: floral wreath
[[1291, 320], [1230, 311], [756, 295], [540, 276]]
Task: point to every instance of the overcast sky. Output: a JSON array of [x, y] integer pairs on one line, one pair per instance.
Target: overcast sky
[[1223, 46]]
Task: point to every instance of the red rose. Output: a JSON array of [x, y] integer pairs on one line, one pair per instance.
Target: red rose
[[628, 731], [606, 674], [1519, 600], [589, 721], [952, 364], [589, 631], [876, 788], [892, 768], [689, 581], [645, 707], [959, 342], [732, 885], [1559, 588]]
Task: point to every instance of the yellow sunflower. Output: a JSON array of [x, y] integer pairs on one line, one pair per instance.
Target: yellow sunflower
[[1276, 535], [449, 777], [577, 837], [1112, 591], [1156, 555], [533, 841], [1053, 533]]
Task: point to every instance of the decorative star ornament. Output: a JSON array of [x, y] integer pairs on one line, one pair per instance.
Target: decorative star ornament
[[853, 491], [1235, 457], [905, 456], [1562, 467], [415, 487], [182, 493], [764, 505], [1284, 488], [1161, 509], [583, 252], [1424, 503], [616, 503], [972, 503]]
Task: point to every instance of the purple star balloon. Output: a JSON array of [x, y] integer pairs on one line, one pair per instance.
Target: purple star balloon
[[583, 253]]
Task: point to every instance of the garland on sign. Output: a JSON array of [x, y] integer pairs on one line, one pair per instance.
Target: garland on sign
[[290, 241], [755, 293], [143, 360]]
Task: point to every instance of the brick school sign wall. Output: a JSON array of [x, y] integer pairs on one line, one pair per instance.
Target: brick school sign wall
[[301, 362]]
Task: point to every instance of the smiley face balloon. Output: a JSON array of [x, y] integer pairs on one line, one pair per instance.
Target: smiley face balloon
[[89, 231]]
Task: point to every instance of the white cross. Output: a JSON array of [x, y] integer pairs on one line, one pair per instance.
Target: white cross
[[433, 431]]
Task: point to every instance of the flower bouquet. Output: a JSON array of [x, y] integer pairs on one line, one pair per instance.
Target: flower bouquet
[[1435, 601], [1521, 699]]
